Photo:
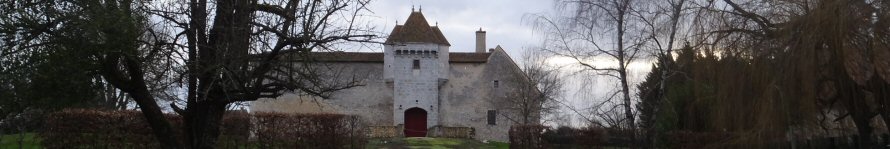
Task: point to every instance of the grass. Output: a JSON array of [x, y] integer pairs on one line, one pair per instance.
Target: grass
[[12, 141], [31, 142], [432, 143]]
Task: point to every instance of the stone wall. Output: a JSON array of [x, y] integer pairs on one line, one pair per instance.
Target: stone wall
[[372, 101], [463, 101], [470, 93], [452, 132], [416, 87], [386, 131]]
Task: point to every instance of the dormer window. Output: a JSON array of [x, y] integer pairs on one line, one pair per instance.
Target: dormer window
[[416, 64]]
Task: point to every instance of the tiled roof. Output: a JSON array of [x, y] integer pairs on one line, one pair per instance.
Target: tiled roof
[[468, 57], [344, 57], [378, 57], [416, 29]]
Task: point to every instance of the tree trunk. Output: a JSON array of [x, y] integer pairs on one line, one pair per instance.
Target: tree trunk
[[628, 112], [138, 89], [21, 136], [859, 111], [865, 131], [623, 9], [202, 122], [162, 129], [226, 45]]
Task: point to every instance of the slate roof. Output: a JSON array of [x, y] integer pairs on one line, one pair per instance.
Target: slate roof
[[416, 29]]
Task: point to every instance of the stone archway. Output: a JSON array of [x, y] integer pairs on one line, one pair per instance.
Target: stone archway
[[415, 122]]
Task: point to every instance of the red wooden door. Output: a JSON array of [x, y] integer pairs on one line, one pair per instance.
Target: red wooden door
[[415, 122]]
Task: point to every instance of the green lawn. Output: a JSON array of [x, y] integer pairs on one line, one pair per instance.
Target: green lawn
[[12, 141], [432, 143]]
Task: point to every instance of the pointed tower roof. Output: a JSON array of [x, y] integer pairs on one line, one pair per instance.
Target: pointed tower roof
[[416, 29]]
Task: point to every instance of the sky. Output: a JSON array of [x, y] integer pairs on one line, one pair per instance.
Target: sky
[[503, 20]]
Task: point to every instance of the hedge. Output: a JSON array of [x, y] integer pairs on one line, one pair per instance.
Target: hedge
[[276, 130], [82, 128], [527, 136]]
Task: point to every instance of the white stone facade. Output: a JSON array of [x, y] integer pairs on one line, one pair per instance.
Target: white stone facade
[[455, 89], [416, 87]]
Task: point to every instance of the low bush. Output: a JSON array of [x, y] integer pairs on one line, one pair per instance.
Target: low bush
[[690, 139], [527, 136], [80, 128], [569, 137], [276, 130]]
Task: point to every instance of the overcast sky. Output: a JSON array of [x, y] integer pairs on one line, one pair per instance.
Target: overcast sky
[[460, 19]]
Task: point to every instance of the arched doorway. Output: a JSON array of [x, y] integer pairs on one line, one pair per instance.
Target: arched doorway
[[415, 122]]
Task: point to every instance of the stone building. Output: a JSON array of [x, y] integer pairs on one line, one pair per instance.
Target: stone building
[[417, 86]]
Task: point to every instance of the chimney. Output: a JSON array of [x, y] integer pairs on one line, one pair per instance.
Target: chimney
[[480, 41]]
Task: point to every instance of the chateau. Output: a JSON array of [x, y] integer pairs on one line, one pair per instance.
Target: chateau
[[417, 87]]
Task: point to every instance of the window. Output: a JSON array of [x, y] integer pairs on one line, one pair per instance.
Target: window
[[416, 64], [496, 83], [492, 117]]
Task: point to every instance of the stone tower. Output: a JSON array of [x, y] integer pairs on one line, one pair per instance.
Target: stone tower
[[415, 66]]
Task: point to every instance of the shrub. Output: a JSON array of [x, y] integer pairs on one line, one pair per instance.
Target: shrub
[[276, 130], [80, 128], [568, 137], [690, 139], [527, 136]]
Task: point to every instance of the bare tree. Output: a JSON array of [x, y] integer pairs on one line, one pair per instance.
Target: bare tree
[[536, 89], [600, 30], [661, 20], [237, 55], [226, 51]]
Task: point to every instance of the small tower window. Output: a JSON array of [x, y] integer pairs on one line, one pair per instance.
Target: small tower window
[[496, 83], [416, 64], [492, 117]]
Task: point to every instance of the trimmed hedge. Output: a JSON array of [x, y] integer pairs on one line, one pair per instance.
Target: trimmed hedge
[[568, 137], [538, 136], [276, 130], [527, 136], [691, 139], [80, 128]]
